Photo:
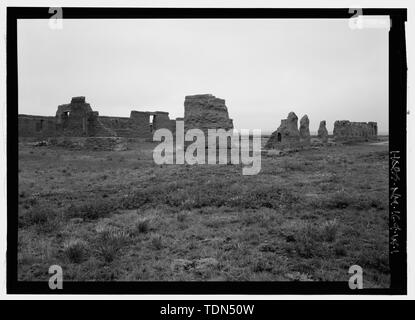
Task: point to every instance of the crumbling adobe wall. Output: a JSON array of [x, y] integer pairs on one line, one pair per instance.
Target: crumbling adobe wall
[[287, 134], [161, 120], [122, 126], [305, 130], [322, 132], [95, 127], [36, 126], [345, 131], [140, 124], [205, 111], [77, 119], [71, 119]]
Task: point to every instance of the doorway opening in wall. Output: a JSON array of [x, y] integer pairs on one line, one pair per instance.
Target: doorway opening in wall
[[151, 122], [279, 137], [39, 126]]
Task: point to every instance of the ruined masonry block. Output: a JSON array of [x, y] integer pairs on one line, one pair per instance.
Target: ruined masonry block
[[346, 131], [287, 134], [305, 130], [205, 111], [322, 132]]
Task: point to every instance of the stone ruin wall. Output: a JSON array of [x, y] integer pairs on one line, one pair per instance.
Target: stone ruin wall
[[161, 120], [205, 111], [305, 137], [36, 126], [345, 131], [77, 119], [289, 135], [322, 132], [72, 119], [140, 124], [120, 125]]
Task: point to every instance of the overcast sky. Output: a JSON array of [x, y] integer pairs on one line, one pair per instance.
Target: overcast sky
[[262, 68]]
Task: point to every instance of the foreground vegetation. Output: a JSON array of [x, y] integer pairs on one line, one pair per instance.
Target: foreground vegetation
[[103, 215]]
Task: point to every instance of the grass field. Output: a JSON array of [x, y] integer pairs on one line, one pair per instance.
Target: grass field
[[103, 215]]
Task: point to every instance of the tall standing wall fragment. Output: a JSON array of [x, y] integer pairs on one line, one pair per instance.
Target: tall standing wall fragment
[[322, 132], [140, 124], [305, 130], [77, 119], [205, 111], [161, 120], [287, 134]]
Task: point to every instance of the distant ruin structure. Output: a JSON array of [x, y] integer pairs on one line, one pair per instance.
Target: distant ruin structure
[[305, 130], [322, 132], [205, 111], [288, 134], [345, 130], [77, 119]]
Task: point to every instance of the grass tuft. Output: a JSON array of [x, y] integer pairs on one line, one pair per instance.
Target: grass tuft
[[329, 230], [109, 242], [75, 250]]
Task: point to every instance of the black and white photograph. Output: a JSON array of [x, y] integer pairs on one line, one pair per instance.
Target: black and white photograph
[[208, 147]]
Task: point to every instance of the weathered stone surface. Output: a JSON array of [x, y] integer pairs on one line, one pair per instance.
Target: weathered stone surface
[[287, 134], [72, 118], [95, 127], [292, 125], [122, 126], [205, 111], [305, 130], [80, 100], [345, 130], [77, 119], [140, 124], [36, 126], [161, 120], [322, 133]]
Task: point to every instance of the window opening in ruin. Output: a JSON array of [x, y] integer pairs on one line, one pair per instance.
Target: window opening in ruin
[[152, 117], [279, 137]]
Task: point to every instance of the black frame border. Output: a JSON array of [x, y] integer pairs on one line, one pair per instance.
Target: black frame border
[[397, 142]]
